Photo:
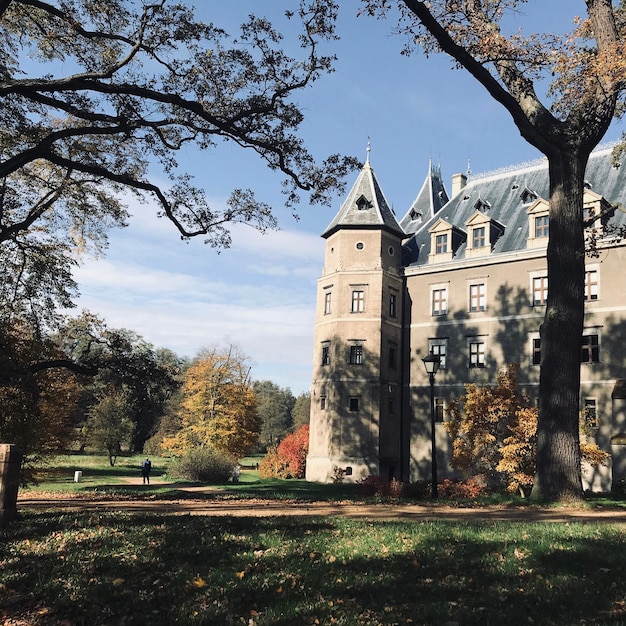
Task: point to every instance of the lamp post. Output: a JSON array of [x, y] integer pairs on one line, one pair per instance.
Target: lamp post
[[431, 363]]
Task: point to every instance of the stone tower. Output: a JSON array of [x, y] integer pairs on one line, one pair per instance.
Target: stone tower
[[356, 393]]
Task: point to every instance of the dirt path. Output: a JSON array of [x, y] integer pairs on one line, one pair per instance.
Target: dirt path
[[205, 505]]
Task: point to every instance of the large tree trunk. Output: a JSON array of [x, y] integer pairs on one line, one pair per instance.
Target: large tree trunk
[[558, 452]]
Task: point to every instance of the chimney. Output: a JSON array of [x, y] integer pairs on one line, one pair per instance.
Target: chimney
[[458, 182]]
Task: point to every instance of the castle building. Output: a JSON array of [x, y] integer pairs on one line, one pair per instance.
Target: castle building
[[462, 276]]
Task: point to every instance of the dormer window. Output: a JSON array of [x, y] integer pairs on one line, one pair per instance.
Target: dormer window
[[362, 203], [542, 226], [415, 215], [528, 196], [596, 211], [484, 232], [444, 241], [538, 224], [482, 205], [478, 237]]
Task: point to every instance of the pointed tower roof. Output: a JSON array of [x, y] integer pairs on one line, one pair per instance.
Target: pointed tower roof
[[365, 206], [431, 197]]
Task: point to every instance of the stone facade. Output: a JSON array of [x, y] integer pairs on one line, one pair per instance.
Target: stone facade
[[463, 277]]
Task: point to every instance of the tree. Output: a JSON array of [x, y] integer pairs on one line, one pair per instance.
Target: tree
[[288, 459], [586, 75], [98, 97], [108, 426], [301, 410], [36, 405], [274, 406], [494, 434], [219, 405]]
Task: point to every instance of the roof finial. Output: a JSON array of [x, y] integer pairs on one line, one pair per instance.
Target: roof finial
[[369, 149]]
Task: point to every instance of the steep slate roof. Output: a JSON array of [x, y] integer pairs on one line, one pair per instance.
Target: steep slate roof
[[365, 207], [431, 197], [505, 195]]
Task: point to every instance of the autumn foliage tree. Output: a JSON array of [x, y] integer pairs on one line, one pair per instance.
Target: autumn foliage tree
[[493, 429], [562, 92], [218, 407], [36, 405], [288, 459]]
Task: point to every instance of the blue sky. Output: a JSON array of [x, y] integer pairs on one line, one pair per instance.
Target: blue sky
[[260, 294]]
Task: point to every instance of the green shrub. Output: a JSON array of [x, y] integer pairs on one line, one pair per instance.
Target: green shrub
[[203, 465]]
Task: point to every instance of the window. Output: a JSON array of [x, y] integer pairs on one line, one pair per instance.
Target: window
[[439, 347], [325, 355], [327, 301], [542, 226], [476, 353], [393, 356], [323, 398], [441, 244], [589, 213], [440, 407], [393, 305], [590, 349], [590, 413], [540, 290], [354, 404], [440, 301], [356, 355], [536, 351], [391, 407], [478, 297], [358, 301], [591, 285], [478, 237]]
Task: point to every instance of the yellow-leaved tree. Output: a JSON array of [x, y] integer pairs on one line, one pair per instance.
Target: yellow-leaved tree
[[218, 408], [494, 434]]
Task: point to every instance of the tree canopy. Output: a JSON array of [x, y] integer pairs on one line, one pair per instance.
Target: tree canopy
[[562, 92], [218, 407], [98, 98]]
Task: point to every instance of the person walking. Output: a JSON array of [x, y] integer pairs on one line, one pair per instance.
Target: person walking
[[146, 466]]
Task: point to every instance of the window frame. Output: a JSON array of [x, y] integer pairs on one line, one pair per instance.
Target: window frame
[[328, 302], [358, 301], [478, 297], [479, 236], [590, 413], [542, 226], [441, 243], [393, 305], [542, 290], [590, 348], [476, 352], [325, 355], [435, 346], [441, 301], [355, 354], [589, 296], [440, 410]]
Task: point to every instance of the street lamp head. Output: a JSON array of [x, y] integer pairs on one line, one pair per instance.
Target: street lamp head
[[431, 363]]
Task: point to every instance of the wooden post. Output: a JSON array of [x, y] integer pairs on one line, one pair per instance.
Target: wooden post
[[10, 467]]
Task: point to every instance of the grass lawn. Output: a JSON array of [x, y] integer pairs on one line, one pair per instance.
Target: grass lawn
[[110, 568], [113, 568]]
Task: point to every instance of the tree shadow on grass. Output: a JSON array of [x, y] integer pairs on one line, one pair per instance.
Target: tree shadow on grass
[[133, 569]]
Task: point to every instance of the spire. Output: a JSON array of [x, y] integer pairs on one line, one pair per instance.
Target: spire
[[431, 197], [369, 149], [365, 205]]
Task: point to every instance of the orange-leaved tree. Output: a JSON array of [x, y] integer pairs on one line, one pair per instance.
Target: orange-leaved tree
[[219, 405], [288, 459], [494, 434]]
